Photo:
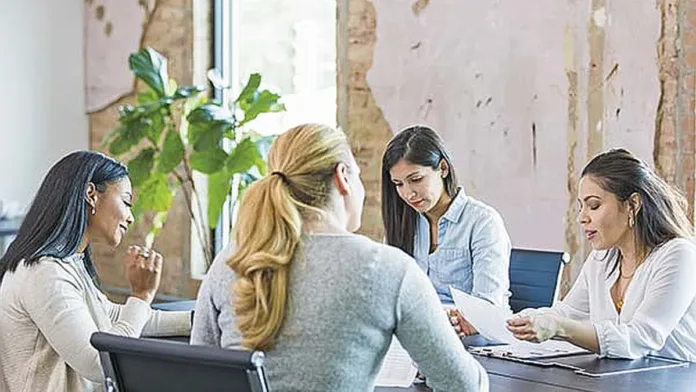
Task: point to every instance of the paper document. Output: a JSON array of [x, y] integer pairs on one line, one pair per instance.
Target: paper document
[[528, 350], [488, 320], [398, 370]]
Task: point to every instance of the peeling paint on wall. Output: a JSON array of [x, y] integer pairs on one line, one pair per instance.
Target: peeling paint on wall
[[595, 69], [419, 6], [517, 94], [112, 32]]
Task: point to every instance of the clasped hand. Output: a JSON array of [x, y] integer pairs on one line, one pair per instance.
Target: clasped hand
[[144, 271]]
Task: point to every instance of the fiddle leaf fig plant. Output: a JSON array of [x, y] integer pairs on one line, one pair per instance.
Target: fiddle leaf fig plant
[[175, 131]]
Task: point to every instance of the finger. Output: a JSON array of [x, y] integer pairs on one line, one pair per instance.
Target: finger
[[518, 321], [470, 330], [525, 329], [151, 260], [456, 313], [529, 338], [159, 260], [525, 334]]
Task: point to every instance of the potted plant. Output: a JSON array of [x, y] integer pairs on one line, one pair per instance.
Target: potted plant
[[173, 131]]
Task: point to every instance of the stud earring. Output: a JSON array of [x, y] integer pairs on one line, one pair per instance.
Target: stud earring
[[94, 210]]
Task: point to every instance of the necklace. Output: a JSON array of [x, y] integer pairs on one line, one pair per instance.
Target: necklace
[[620, 299], [624, 276]]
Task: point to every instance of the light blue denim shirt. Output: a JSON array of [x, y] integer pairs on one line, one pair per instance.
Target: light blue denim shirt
[[473, 254]]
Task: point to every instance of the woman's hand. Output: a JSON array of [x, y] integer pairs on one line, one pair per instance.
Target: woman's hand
[[534, 326], [461, 326], [144, 272]]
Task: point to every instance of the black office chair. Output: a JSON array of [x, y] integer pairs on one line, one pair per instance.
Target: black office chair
[[534, 277], [140, 365]]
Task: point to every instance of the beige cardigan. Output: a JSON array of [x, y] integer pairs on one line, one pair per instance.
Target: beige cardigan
[[48, 313]]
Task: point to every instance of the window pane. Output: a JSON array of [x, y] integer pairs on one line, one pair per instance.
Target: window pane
[[292, 44]]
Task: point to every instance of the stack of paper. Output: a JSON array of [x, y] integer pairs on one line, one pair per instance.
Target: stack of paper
[[398, 370]]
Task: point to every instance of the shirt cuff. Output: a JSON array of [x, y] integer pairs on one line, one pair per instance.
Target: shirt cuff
[[136, 313], [604, 338]]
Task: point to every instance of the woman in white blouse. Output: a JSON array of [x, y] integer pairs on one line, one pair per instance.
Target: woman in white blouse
[[49, 302], [635, 295]]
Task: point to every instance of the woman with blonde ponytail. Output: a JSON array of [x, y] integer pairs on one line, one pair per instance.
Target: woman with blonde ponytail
[[323, 303]]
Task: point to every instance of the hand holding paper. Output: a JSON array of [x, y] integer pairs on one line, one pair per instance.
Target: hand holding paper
[[488, 320], [535, 326]]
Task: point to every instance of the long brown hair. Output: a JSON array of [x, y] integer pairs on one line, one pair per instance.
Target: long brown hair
[[419, 145], [662, 214], [269, 225]]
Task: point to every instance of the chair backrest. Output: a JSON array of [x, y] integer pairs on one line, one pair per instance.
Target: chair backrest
[[139, 365], [534, 277]]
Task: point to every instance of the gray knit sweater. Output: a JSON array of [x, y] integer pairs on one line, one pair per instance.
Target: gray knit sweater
[[348, 296]]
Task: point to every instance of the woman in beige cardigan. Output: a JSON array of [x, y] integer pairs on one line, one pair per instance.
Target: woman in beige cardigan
[[49, 302]]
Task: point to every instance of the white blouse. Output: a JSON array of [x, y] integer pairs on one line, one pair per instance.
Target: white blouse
[[659, 312]]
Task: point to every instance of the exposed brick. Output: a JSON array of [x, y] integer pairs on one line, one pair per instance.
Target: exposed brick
[[691, 59], [691, 15], [689, 38], [170, 30]]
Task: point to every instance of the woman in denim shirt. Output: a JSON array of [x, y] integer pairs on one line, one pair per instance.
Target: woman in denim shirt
[[457, 240]]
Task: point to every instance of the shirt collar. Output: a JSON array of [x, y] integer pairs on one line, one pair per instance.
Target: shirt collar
[[456, 208], [77, 257]]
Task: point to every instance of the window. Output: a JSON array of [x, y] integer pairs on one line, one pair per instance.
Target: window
[[292, 44]]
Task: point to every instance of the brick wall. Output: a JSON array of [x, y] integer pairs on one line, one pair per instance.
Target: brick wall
[[170, 30], [358, 114]]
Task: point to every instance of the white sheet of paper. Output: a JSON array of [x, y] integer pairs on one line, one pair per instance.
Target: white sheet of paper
[[488, 320], [528, 350], [398, 370]]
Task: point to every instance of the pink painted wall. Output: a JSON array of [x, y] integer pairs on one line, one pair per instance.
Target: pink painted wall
[[493, 78], [113, 30]]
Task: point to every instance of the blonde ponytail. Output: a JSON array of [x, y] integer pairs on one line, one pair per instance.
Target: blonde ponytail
[[270, 225]]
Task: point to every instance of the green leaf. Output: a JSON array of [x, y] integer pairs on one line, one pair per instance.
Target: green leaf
[[209, 161], [128, 135], [219, 186], [140, 167], [155, 194], [266, 102], [147, 96], [150, 67], [205, 136], [206, 125], [187, 91], [251, 87], [157, 223], [210, 113], [244, 156], [154, 124], [173, 151], [171, 87]]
